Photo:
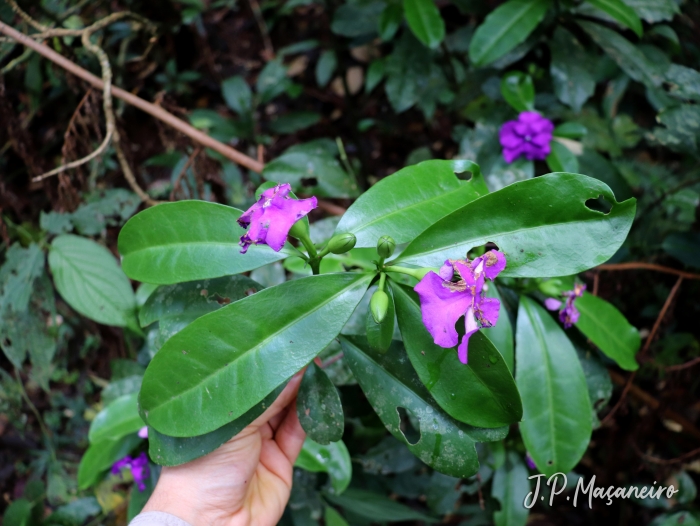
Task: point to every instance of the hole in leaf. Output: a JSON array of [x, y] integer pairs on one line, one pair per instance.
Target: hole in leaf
[[550, 462], [464, 176], [221, 300], [599, 204], [7, 342], [309, 181], [410, 433]]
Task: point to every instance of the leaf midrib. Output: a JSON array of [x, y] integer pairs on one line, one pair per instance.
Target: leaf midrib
[[505, 29]]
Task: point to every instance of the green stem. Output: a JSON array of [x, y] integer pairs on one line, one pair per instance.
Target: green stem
[[382, 281]]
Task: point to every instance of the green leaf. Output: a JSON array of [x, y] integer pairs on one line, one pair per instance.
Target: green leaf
[[375, 74], [390, 384], [272, 81], [333, 459], [100, 456], [684, 246], [379, 335], [318, 407], [119, 418], [570, 69], [518, 90], [19, 513], [501, 334], [510, 486], [561, 159], [684, 83], [376, 507], [90, 280], [504, 28], [325, 67], [502, 174], [208, 375], [406, 203], [188, 240], [625, 54], [598, 380], [389, 22], [75, 513], [237, 95], [620, 12], [333, 518], [607, 328], [481, 393], [294, 121], [310, 169], [354, 19], [424, 19], [534, 223], [654, 10], [21, 268], [556, 428], [570, 130], [173, 451]]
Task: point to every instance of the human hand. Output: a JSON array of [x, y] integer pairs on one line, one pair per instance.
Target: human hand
[[247, 481]]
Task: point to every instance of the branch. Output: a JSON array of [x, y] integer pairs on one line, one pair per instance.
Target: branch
[[648, 266]]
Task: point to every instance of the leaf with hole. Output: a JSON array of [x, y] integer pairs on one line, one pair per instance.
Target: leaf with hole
[[333, 459], [208, 374], [406, 203], [481, 393], [542, 225], [186, 241], [608, 329], [555, 427], [318, 407]]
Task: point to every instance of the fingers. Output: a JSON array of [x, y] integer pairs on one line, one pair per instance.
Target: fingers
[[290, 436], [288, 394]]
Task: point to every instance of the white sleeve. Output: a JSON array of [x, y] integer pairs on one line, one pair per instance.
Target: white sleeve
[[157, 518]]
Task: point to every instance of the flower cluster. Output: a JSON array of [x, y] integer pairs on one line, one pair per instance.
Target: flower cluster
[[272, 216], [138, 467], [529, 136], [458, 291], [568, 313]]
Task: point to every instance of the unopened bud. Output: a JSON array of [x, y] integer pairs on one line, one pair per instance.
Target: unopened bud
[[300, 229], [378, 305], [385, 247], [342, 243]]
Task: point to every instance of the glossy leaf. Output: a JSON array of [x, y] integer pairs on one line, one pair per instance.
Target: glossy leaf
[[409, 201], [570, 130], [390, 384], [332, 518], [379, 335], [424, 19], [621, 12], [88, 277], [318, 407], [607, 328], [510, 486], [376, 507], [504, 28], [100, 456], [561, 159], [389, 23], [333, 459], [537, 238], [598, 380], [555, 426], [119, 418], [186, 241], [173, 451], [481, 393], [570, 69], [518, 90], [501, 334], [208, 375]]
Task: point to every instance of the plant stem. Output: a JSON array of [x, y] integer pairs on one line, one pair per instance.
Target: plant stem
[[382, 281], [37, 415]]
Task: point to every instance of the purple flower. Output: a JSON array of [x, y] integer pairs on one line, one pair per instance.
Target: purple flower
[[138, 467], [271, 218], [458, 291], [530, 463], [568, 313], [143, 432], [529, 136]]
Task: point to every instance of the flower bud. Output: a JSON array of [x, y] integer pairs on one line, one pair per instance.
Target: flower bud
[[385, 247], [300, 229], [378, 305], [342, 243]]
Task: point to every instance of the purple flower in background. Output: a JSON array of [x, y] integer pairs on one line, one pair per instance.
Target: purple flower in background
[[530, 463], [143, 432], [568, 313], [529, 136], [272, 216], [138, 467], [459, 291]]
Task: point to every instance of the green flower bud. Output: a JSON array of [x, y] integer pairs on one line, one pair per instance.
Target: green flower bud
[[342, 243], [300, 229], [386, 246], [378, 305]]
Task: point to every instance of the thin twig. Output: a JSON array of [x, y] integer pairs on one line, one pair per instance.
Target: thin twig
[[628, 386], [682, 366], [24, 16], [262, 25], [660, 317], [662, 461], [37, 415], [596, 283], [648, 266], [182, 173]]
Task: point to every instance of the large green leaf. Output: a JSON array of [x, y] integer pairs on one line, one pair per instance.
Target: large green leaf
[[390, 383], [188, 240], [504, 28], [542, 225], [119, 418], [101, 455], [481, 393], [319, 408], [376, 507], [510, 487], [424, 19], [173, 451], [409, 201], [607, 327], [630, 59], [332, 458], [556, 427], [225, 362], [501, 334], [89, 279], [620, 12]]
